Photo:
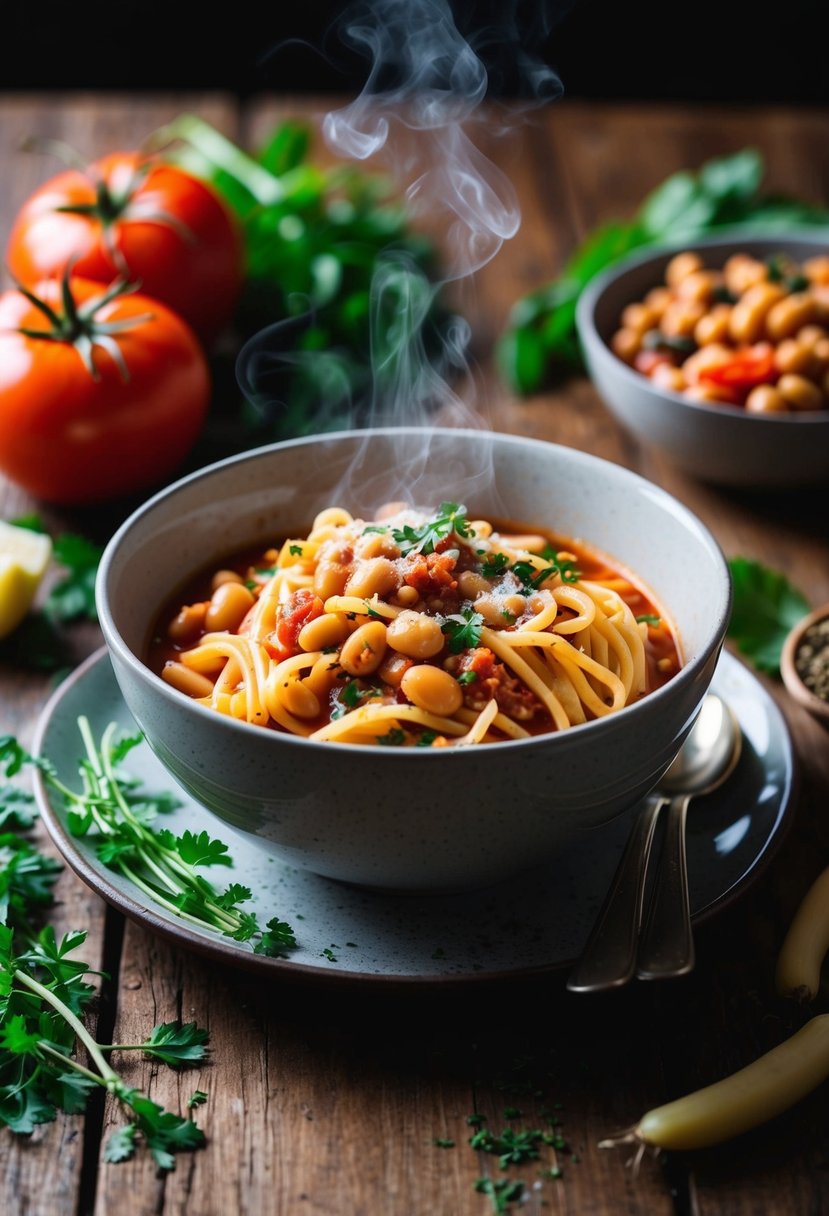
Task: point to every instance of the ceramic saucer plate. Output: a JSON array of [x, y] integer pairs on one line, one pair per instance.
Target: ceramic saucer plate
[[534, 924]]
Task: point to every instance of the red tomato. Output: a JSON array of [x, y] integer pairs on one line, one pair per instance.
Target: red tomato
[[303, 606], [70, 436], [747, 367], [149, 222]]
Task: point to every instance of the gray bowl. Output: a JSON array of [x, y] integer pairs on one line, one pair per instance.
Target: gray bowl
[[413, 818], [717, 443]]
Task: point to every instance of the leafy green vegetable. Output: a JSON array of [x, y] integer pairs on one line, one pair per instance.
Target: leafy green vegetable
[[451, 517], [43, 998], [765, 607], [541, 335], [328, 253]]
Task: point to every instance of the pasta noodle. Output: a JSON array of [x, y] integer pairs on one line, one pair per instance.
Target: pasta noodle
[[416, 630]]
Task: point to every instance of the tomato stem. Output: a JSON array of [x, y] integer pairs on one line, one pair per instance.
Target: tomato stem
[[78, 325]]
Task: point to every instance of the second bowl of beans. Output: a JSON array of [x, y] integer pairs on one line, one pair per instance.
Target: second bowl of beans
[[717, 352]]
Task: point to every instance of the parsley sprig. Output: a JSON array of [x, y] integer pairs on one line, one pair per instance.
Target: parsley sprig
[[462, 629], [351, 696], [44, 995], [118, 813], [451, 517], [533, 578]]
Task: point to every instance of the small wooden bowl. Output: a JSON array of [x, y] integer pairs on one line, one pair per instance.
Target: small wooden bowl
[[792, 678]]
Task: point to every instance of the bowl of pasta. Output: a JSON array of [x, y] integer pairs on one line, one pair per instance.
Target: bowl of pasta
[[409, 658], [717, 353]]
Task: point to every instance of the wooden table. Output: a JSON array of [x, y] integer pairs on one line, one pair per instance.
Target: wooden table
[[329, 1100]]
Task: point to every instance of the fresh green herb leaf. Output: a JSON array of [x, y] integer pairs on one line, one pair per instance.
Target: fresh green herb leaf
[[277, 937], [500, 1191], [350, 696], [765, 607], [174, 1043], [533, 578], [467, 677], [200, 850], [450, 518], [73, 596], [494, 564], [463, 629], [197, 1098], [427, 738], [648, 618], [317, 242], [393, 738], [295, 550], [43, 999]]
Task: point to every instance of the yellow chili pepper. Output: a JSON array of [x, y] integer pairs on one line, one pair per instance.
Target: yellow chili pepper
[[806, 943], [755, 1094]]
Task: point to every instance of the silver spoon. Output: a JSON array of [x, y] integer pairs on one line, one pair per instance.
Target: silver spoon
[[705, 759], [667, 944]]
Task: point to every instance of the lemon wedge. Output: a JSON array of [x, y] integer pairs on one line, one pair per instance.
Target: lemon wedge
[[24, 556]]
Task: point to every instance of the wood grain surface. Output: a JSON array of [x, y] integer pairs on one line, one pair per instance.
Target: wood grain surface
[[326, 1099]]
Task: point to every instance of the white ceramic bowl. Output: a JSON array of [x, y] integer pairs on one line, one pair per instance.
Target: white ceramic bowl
[[718, 443], [413, 818]]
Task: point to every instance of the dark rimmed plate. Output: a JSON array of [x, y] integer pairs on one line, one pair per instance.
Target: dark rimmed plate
[[531, 925]]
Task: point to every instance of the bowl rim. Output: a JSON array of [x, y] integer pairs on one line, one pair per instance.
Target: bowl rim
[[595, 289], [788, 670], [647, 704]]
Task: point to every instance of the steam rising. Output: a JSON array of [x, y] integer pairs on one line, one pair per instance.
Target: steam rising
[[424, 89]]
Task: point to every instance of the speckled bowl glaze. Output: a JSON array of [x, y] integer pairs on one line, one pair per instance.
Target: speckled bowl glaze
[[718, 443], [410, 818]]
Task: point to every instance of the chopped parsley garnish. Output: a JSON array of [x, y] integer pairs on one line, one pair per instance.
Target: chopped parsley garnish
[[394, 738], [427, 738], [494, 564], [532, 579], [648, 618], [451, 517], [463, 629], [350, 697], [467, 677], [295, 550]]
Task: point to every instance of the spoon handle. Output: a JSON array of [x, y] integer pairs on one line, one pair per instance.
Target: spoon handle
[[609, 958], [667, 944]]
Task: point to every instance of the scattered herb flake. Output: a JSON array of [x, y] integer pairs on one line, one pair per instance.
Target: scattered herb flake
[[394, 738], [494, 564]]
